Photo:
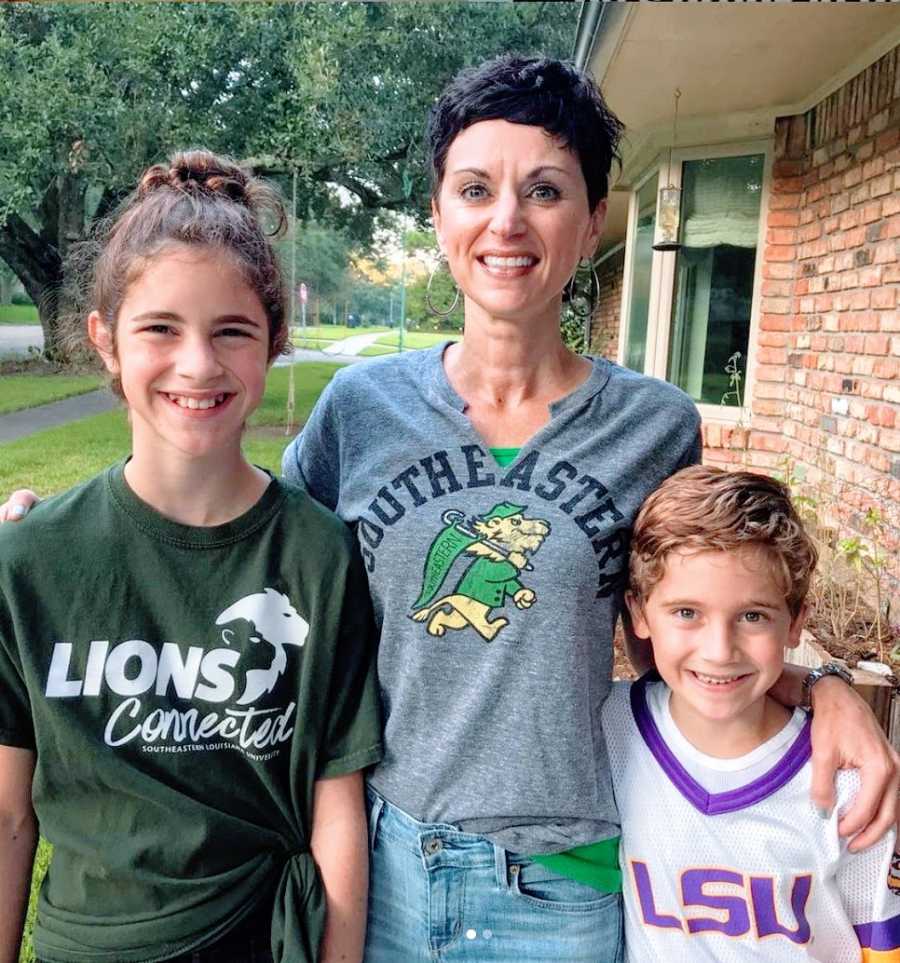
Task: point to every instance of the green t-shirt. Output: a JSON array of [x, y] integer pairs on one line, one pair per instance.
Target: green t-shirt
[[183, 689]]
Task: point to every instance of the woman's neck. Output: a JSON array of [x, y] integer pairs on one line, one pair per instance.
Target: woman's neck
[[203, 492], [505, 364]]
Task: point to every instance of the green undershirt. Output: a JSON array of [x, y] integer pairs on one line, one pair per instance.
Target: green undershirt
[[596, 864]]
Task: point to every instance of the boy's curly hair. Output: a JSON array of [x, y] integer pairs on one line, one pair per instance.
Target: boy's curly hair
[[706, 509]]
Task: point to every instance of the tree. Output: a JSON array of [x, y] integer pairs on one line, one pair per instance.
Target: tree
[[91, 94]]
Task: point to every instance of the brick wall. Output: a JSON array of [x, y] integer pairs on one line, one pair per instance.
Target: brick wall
[[604, 338], [827, 388]]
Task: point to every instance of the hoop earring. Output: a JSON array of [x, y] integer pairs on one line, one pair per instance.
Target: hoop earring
[[583, 301], [445, 312]]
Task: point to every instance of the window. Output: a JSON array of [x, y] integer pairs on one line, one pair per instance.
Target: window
[[641, 264], [697, 326]]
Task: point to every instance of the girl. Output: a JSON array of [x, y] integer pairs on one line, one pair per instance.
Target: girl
[[186, 694]]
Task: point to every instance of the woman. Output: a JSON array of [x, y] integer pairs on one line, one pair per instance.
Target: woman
[[493, 484], [495, 581]]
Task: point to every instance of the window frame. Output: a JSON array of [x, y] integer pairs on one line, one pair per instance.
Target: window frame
[[662, 271]]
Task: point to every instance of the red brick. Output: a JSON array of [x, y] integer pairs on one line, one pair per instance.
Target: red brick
[[886, 368], [876, 344], [766, 442], [892, 226], [776, 305], [871, 212], [854, 237], [809, 232], [880, 185], [772, 339], [771, 356], [859, 195], [865, 151], [769, 372], [783, 235], [780, 252], [884, 297], [783, 219], [854, 175], [878, 123], [889, 440], [849, 279], [784, 202], [891, 205], [885, 253], [873, 168], [787, 185], [840, 202], [891, 272], [774, 322], [870, 277], [824, 302], [857, 300], [849, 219], [779, 271], [890, 138], [776, 289], [784, 168]]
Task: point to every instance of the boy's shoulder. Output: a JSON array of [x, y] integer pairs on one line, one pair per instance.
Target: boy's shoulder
[[57, 518]]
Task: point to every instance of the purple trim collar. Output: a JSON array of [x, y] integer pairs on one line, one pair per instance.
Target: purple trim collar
[[711, 804]]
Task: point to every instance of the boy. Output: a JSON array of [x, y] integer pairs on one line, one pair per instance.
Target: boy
[[723, 856]]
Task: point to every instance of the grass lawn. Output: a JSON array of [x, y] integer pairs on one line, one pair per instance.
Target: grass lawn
[[413, 340], [18, 314], [58, 458], [55, 459], [18, 391], [335, 332], [374, 350]]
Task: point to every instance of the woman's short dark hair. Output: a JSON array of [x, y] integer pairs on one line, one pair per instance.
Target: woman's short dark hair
[[538, 92]]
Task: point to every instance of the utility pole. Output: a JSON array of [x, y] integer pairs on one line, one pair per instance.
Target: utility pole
[[402, 297]]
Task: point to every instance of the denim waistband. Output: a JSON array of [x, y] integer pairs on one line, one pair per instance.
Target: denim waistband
[[439, 844]]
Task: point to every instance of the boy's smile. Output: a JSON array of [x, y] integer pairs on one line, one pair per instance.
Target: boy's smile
[[719, 623]]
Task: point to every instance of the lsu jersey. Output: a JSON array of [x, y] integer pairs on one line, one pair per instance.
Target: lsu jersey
[[747, 872]]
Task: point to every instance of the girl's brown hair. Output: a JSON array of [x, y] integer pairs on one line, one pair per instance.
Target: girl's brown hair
[[197, 198], [706, 509]]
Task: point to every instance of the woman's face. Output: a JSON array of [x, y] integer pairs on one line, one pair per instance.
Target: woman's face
[[512, 218]]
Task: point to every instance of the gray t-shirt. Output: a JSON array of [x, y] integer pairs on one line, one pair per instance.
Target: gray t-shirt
[[496, 590]]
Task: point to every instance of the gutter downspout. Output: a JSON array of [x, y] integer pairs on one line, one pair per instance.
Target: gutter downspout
[[587, 32]]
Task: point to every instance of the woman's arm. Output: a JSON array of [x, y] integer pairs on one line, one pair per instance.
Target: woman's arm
[[339, 846], [18, 839], [17, 506], [846, 735]]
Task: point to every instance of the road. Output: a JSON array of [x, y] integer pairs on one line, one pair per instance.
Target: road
[[16, 339]]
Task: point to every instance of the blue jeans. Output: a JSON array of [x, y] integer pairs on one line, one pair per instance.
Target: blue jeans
[[439, 894]]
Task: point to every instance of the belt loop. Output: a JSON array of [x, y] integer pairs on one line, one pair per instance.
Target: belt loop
[[375, 811], [501, 867]]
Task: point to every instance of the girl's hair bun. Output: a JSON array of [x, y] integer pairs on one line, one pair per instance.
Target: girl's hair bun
[[198, 172]]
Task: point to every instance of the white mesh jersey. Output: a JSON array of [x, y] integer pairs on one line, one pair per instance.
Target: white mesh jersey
[[751, 873]]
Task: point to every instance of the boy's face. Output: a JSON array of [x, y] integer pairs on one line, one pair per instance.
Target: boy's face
[[719, 622]]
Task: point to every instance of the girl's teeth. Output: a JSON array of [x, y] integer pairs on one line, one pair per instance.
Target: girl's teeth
[[508, 262], [197, 403]]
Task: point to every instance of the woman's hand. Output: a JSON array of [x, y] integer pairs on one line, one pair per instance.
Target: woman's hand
[[18, 505], [846, 735]]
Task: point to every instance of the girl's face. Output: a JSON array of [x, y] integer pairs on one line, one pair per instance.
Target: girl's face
[[191, 351], [512, 218]]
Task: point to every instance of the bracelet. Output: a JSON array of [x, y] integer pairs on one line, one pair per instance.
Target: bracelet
[[829, 668]]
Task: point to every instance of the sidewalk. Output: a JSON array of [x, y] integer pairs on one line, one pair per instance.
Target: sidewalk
[[18, 424]]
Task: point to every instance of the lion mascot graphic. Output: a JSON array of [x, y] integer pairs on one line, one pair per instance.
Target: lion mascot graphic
[[499, 545]]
